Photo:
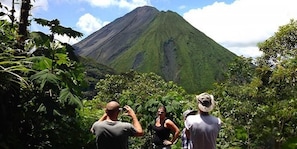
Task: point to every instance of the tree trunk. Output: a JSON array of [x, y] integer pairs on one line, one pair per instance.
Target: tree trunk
[[12, 14], [25, 8]]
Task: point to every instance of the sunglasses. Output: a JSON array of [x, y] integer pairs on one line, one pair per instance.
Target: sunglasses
[[161, 112]]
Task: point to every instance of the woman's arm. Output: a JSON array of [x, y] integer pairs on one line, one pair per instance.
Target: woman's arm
[[170, 124]]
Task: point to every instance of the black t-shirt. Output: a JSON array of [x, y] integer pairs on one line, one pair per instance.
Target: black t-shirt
[[161, 133]]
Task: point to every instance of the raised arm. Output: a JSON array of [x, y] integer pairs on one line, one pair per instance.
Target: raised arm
[[103, 117], [136, 124]]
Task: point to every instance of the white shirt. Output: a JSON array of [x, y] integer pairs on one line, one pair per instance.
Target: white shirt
[[204, 130]]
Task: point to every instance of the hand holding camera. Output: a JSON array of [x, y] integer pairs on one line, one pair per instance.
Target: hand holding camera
[[128, 110]]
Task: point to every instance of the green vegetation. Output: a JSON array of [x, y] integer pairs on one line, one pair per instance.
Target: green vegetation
[[144, 93], [42, 105], [259, 102], [40, 87], [93, 73]]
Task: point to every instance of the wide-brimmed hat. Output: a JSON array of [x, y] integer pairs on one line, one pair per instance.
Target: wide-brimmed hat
[[189, 112], [205, 102]]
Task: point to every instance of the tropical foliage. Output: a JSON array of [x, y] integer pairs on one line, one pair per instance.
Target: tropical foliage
[[144, 92], [41, 81], [259, 99], [40, 88]]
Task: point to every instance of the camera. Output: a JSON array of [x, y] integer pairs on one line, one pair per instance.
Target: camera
[[123, 109]]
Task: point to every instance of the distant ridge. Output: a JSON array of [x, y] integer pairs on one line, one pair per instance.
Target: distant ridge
[[148, 40]]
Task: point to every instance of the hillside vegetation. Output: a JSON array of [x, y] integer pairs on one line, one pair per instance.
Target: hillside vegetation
[[94, 71]]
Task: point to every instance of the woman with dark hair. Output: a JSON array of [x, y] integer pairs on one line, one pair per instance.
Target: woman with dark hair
[[163, 127]]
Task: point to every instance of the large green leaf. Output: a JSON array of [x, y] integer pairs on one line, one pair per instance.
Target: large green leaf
[[13, 68], [45, 76], [42, 22], [41, 62], [63, 59], [67, 96], [60, 30], [56, 28]]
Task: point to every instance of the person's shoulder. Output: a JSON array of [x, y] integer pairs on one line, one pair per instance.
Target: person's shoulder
[[97, 122], [193, 116], [124, 123], [216, 119], [168, 121]]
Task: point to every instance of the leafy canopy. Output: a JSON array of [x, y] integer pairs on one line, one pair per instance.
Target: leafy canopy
[[259, 100]]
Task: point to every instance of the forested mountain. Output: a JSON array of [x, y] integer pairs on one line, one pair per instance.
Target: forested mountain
[[94, 72], [149, 40]]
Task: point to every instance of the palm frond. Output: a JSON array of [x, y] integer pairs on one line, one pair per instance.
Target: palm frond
[[67, 96], [45, 76]]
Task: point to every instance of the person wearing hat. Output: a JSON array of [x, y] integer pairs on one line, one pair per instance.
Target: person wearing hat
[[203, 128], [112, 133], [186, 142]]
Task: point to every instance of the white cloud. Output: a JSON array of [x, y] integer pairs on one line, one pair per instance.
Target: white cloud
[[101, 3], [66, 39], [89, 24], [132, 4], [8, 5], [247, 51], [241, 25], [127, 4], [36, 6]]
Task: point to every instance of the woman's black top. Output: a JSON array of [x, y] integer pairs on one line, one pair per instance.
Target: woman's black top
[[161, 133]]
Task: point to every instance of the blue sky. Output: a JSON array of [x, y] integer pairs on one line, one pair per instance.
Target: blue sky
[[238, 25]]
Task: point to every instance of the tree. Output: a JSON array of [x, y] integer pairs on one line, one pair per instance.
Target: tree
[[264, 95], [278, 64], [41, 81], [13, 80]]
